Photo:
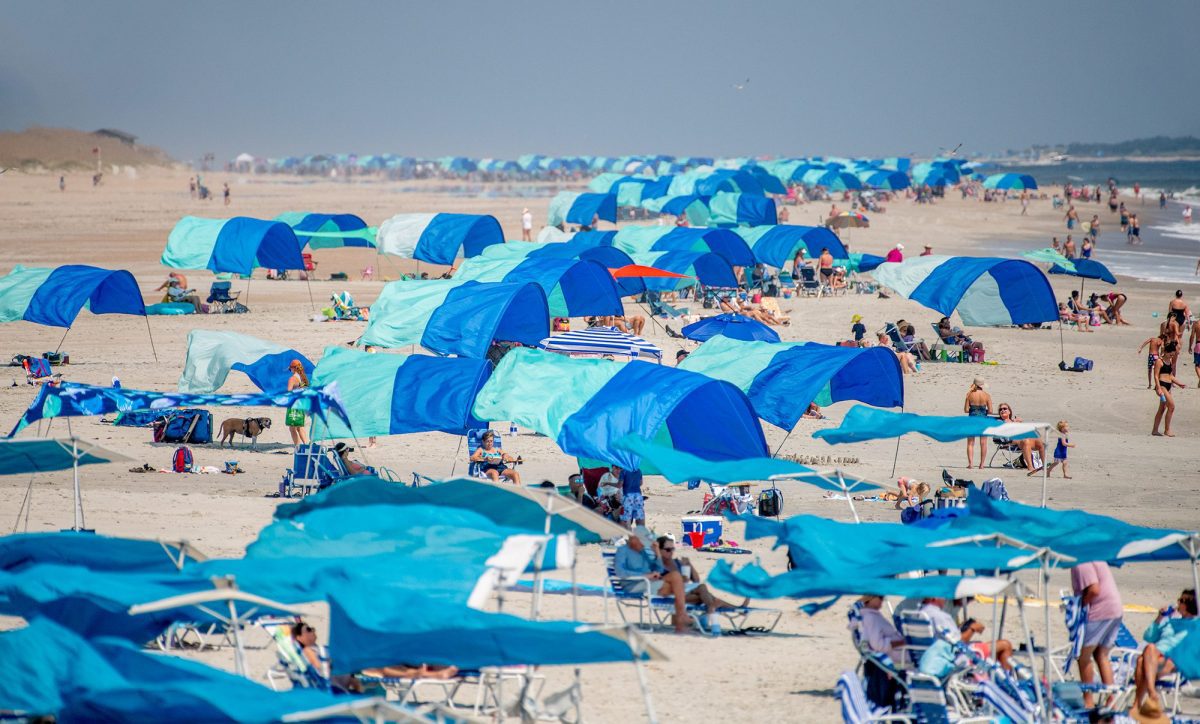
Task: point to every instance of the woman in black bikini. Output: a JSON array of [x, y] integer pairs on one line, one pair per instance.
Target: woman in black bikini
[[1166, 403]]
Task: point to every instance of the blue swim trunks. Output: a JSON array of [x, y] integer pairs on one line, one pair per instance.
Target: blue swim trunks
[[633, 507]]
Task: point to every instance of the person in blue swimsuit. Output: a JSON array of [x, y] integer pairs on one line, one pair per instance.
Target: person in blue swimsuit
[[1060, 449], [977, 404]]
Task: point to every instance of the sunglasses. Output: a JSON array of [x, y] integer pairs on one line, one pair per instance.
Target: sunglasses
[[669, 550]]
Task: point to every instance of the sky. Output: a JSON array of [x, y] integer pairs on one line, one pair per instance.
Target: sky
[[502, 78]]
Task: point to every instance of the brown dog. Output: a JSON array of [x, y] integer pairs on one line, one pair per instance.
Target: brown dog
[[250, 427]]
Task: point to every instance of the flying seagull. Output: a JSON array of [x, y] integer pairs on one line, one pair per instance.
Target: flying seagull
[[953, 151], [741, 86]]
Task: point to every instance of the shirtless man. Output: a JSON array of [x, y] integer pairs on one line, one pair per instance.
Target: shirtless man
[[1156, 345], [1071, 217], [1069, 247], [1194, 346]]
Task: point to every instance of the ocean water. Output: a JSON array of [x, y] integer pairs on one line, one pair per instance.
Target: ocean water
[[1181, 178]]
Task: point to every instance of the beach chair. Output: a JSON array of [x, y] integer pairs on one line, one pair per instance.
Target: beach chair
[[314, 467], [658, 610], [367, 274], [854, 619], [1010, 451], [946, 352], [898, 342], [856, 709], [222, 300], [809, 286], [38, 372], [344, 307], [474, 439], [659, 308]]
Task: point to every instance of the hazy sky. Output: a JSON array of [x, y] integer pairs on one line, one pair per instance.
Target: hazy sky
[[497, 78]]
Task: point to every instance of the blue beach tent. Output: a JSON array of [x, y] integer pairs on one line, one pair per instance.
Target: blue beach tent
[[54, 297], [573, 287], [212, 355], [237, 245], [582, 209], [438, 238], [986, 291], [776, 245], [330, 227], [741, 209]]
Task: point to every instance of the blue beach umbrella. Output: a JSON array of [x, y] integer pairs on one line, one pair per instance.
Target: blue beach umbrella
[[1010, 182], [734, 326], [1086, 269]]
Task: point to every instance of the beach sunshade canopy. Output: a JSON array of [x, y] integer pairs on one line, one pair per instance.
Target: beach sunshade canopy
[[832, 179], [637, 271], [587, 405], [1010, 182], [753, 581], [849, 220], [888, 180], [54, 297], [509, 506], [438, 238], [43, 455], [394, 394], [707, 268], [92, 551], [326, 231], [580, 246], [733, 326], [782, 379], [1186, 653], [694, 207], [741, 209], [573, 287], [1050, 256], [600, 340], [865, 423], [72, 399], [724, 242], [1086, 269], [212, 355], [238, 245], [729, 180], [776, 245], [934, 173], [584, 209], [453, 317], [986, 291]]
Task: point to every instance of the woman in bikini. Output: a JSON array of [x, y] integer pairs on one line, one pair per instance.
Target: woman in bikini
[[1166, 403], [1155, 344], [977, 404]]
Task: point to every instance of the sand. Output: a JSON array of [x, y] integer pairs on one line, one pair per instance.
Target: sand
[[1117, 467]]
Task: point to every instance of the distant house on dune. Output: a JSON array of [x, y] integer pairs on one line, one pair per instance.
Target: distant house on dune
[[127, 138]]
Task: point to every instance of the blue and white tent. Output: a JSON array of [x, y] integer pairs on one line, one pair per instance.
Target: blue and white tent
[[54, 297], [211, 355], [601, 341], [1010, 182], [328, 230], [237, 245], [583, 209], [453, 317], [393, 394], [741, 209], [777, 245], [781, 379], [986, 291], [638, 239], [438, 238], [573, 287], [707, 268]]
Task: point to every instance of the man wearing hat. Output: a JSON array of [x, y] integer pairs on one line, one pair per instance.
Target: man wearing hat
[[526, 225], [928, 250], [896, 255], [637, 565]]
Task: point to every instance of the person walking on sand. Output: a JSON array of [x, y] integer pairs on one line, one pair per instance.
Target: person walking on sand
[[192, 187], [1094, 584], [1166, 402], [295, 417], [1024, 202], [1156, 346], [1072, 217], [977, 404], [1060, 449], [526, 225], [1194, 346], [226, 194], [62, 183]]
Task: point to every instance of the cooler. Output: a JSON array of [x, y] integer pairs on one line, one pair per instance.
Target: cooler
[[709, 525]]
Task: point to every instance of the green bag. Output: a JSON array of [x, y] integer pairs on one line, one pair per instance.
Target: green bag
[[295, 417]]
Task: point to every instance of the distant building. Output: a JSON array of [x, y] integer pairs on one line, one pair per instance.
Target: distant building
[[127, 138]]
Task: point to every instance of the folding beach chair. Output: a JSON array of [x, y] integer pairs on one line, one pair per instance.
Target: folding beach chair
[[949, 352], [658, 610], [1010, 452], [224, 301], [659, 308], [897, 341], [854, 617], [314, 467], [38, 372], [809, 286], [855, 707], [344, 307]]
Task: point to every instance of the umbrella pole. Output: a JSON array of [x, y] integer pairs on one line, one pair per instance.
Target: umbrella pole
[[454, 465], [785, 439], [1062, 348], [849, 499], [896, 456], [1046, 608], [308, 283], [64, 339], [1191, 545], [75, 476], [239, 661], [1045, 463], [248, 287], [636, 645], [1029, 643], [151, 336]]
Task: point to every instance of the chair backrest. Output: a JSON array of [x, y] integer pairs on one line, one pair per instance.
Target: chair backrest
[[475, 439], [853, 701], [894, 334], [1004, 704], [854, 618], [928, 699], [306, 462], [918, 633], [38, 367], [615, 583]]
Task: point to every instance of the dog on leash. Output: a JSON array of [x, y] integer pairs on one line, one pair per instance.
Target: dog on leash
[[250, 427]]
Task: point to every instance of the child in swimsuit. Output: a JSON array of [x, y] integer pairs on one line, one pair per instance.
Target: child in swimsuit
[[1060, 450]]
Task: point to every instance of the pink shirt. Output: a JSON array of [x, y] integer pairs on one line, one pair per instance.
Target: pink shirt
[[1107, 604], [895, 255]]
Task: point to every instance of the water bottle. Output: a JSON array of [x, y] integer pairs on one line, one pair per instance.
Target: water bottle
[[1162, 398], [116, 382], [512, 428], [714, 624], [918, 366]]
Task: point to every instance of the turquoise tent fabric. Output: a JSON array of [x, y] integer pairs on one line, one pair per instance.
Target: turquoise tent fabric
[[1186, 654], [724, 242], [986, 291], [238, 245], [328, 231], [394, 394], [734, 209], [865, 423], [90, 550], [211, 355], [452, 317], [438, 238], [42, 455], [754, 582], [569, 207], [573, 287], [781, 379], [587, 405], [680, 467], [54, 297], [776, 245]]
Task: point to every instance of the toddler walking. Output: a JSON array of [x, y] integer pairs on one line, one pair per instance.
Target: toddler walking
[[1060, 449]]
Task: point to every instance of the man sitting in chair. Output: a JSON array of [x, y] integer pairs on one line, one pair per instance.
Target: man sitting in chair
[[638, 559], [493, 462], [695, 591]]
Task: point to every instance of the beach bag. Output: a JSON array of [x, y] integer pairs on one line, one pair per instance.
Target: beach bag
[[994, 489], [57, 358], [1082, 364], [191, 426], [770, 503], [181, 460]]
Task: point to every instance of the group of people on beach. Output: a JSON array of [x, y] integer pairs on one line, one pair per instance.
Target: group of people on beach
[[978, 403]]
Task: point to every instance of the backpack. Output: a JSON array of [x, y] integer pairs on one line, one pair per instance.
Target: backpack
[[181, 460], [770, 503]]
